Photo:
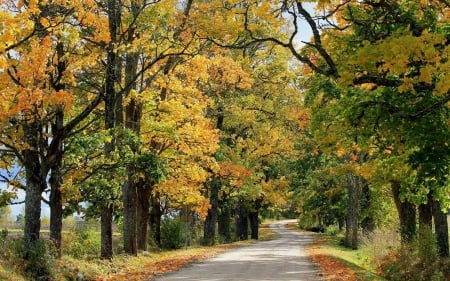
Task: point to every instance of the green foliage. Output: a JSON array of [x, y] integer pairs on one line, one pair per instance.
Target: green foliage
[[84, 242], [40, 261], [172, 233], [332, 230], [6, 196], [11, 247], [417, 261], [5, 216]]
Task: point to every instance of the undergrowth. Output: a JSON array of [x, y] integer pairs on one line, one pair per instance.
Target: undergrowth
[[80, 261]]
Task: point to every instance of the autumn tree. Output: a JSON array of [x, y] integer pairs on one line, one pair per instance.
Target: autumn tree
[[39, 87]]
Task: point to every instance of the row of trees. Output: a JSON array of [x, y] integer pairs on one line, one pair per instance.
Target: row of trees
[[126, 109], [376, 107], [379, 99]]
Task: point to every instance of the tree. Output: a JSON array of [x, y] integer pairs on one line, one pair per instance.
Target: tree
[[35, 64]]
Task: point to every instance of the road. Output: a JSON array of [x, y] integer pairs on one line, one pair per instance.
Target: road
[[281, 259]]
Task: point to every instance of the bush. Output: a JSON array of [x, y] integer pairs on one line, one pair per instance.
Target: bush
[[11, 253], [84, 242], [40, 261], [172, 233], [332, 230], [417, 261]]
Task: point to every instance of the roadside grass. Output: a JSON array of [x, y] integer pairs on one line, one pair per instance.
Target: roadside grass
[[338, 262], [341, 263], [144, 266]]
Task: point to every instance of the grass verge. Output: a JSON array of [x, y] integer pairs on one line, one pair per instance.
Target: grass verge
[[145, 266], [338, 262], [341, 263]]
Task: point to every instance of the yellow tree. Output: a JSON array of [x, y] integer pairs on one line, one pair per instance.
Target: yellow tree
[[40, 59]]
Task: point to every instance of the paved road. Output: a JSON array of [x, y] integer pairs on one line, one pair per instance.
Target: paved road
[[282, 259]]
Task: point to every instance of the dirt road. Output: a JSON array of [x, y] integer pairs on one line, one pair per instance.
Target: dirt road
[[282, 259]]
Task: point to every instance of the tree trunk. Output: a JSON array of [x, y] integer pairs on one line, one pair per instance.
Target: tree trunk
[[129, 198], [224, 223], [106, 232], [35, 185], [132, 121], [32, 213], [354, 184], [368, 221], [56, 180], [209, 229], [241, 220], [155, 219], [111, 115], [426, 215], [441, 228], [406, 214], [143, 214], [254, 224], [56, 205]]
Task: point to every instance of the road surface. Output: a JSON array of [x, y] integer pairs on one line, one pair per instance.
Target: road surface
[[281, 259]]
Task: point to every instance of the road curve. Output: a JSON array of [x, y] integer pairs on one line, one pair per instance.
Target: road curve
[[281, 259]]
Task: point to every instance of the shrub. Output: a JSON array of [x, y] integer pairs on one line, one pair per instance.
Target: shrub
[[11, 253], [84, 242], [40, 261], [172, 233], [332, 230], [417, 261]]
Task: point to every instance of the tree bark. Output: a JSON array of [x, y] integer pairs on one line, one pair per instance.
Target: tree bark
[[224, 223], [254, 224], [56, 204], [133, 116], [368, 221], [35, 185], [406, 213], [155, 218], [209, 229], [241, 220], [129, 198], [441, 228], [56, 181], [32, 212], [106, 251], [354, 184], [143, 214], [111, 114], [426, 215]]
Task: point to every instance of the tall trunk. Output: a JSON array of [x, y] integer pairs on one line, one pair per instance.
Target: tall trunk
[[368, 221], [209, 229], [254, 224], [32, 212], [56, 204], [406, 213], [426, 216], [354, 184], [241, 220], [224, 222], [129, 198], [56, 180], [106, 250], [132, 122], [111, 97], [155, 218], [441, 228], [143, 214], [35, 185]]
